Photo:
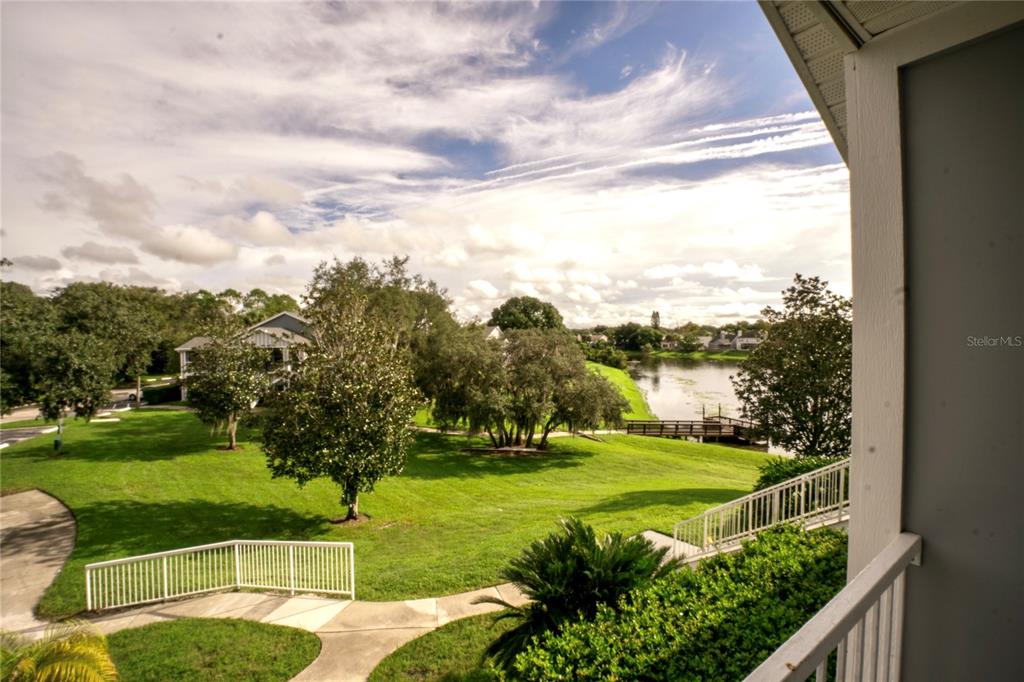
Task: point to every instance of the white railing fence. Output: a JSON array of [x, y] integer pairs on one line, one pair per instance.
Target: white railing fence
[[327, 567], [819, 495], [858, 634]]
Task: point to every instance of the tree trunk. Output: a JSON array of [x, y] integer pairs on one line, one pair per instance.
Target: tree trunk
[[232, 430], [138, 391], [494, 441], [60, 433], [529, 435], [350, 499]]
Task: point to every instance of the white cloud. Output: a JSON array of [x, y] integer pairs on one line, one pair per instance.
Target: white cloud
[[308, 131], [100, 253], [189, 244], [484, 288], [44, 263]]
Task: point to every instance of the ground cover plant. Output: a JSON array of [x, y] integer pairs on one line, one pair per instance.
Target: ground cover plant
[[453, 652], [716, 623], [212, 649], [156, 481]]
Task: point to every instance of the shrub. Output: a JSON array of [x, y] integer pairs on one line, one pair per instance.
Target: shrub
[[779, 469], [567, 576], [715, 623], [606, 354], [155, 395]]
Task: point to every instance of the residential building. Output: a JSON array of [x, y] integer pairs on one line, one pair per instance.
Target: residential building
[[283, 335], [925, 102], [723, 341], [746, 340]]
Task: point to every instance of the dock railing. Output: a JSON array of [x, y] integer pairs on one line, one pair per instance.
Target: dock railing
[[821, 496], [326, 567], [857, 636]]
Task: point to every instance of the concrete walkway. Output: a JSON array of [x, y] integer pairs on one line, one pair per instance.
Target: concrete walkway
[[38, 534]]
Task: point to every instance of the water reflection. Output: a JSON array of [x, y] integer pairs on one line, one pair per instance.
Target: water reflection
[[681, 389]]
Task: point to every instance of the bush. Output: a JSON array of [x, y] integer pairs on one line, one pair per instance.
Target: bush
[[569, 575], [606, 355], [779, 469], [155, 395], [715, 623]]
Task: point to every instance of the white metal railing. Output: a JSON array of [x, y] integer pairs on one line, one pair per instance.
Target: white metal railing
[[327, 567], [862, 626], [821, 496]]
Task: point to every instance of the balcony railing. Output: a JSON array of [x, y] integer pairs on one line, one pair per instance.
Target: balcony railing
[[862, 626]]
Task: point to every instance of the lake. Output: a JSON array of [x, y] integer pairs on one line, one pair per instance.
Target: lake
[[677, 389]]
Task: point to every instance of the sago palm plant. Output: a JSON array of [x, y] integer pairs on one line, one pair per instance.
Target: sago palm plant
[[566, 576], [69, 652]]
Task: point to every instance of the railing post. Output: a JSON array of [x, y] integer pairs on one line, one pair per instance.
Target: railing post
[[88, 589], [775, 507], [704, 538], [166, 591], [291, 567], [842, 493], [238, 568]]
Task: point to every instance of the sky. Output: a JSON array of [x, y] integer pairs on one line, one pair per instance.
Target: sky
[[612, 158]]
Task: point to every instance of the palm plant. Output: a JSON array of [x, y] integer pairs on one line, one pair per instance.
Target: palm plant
[[68, 652], [566, 576]]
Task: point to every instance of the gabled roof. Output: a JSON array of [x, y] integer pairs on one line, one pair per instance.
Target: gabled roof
[[272, 318], [194, 342], [817, 34]]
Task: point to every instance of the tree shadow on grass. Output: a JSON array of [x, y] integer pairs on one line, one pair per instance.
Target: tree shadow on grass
[[119, 528], [132, 439], [434, 457], [680, 497]]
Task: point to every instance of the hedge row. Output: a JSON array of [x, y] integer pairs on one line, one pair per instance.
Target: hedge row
[[155, 395], [779, 469], [716, 623]]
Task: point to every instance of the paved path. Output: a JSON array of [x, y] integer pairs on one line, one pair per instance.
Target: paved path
[[38, 534]]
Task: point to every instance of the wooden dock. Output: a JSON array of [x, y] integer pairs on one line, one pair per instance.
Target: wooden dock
[[716, 429]]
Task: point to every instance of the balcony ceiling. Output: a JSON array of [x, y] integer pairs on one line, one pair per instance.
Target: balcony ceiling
[[817, 34]]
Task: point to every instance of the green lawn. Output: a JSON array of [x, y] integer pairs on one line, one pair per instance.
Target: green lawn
[[638, 408], [156, 481], [453, 653], [208, 649]]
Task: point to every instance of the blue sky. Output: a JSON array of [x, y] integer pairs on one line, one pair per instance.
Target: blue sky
[[614, 158]]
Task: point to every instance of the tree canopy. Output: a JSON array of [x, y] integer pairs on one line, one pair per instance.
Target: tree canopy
[[526, 312], [797, 383], [226, 378], [519, 389], [346, 411]]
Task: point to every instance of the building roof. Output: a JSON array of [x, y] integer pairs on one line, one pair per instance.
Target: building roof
[[289, 313], [194, 342], [817, 34]]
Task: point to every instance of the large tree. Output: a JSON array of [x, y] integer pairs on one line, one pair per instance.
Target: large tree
[[520, 389], [347, 410], [526, 312], [226, 378], [76, 375], [27, 322], [797, 383]]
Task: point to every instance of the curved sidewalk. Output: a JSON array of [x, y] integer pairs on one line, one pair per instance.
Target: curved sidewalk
[[38, 534]]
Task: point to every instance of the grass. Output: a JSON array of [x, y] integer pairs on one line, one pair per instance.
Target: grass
[[638, 408], [208, 649], [453, 653], [156, 481]]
